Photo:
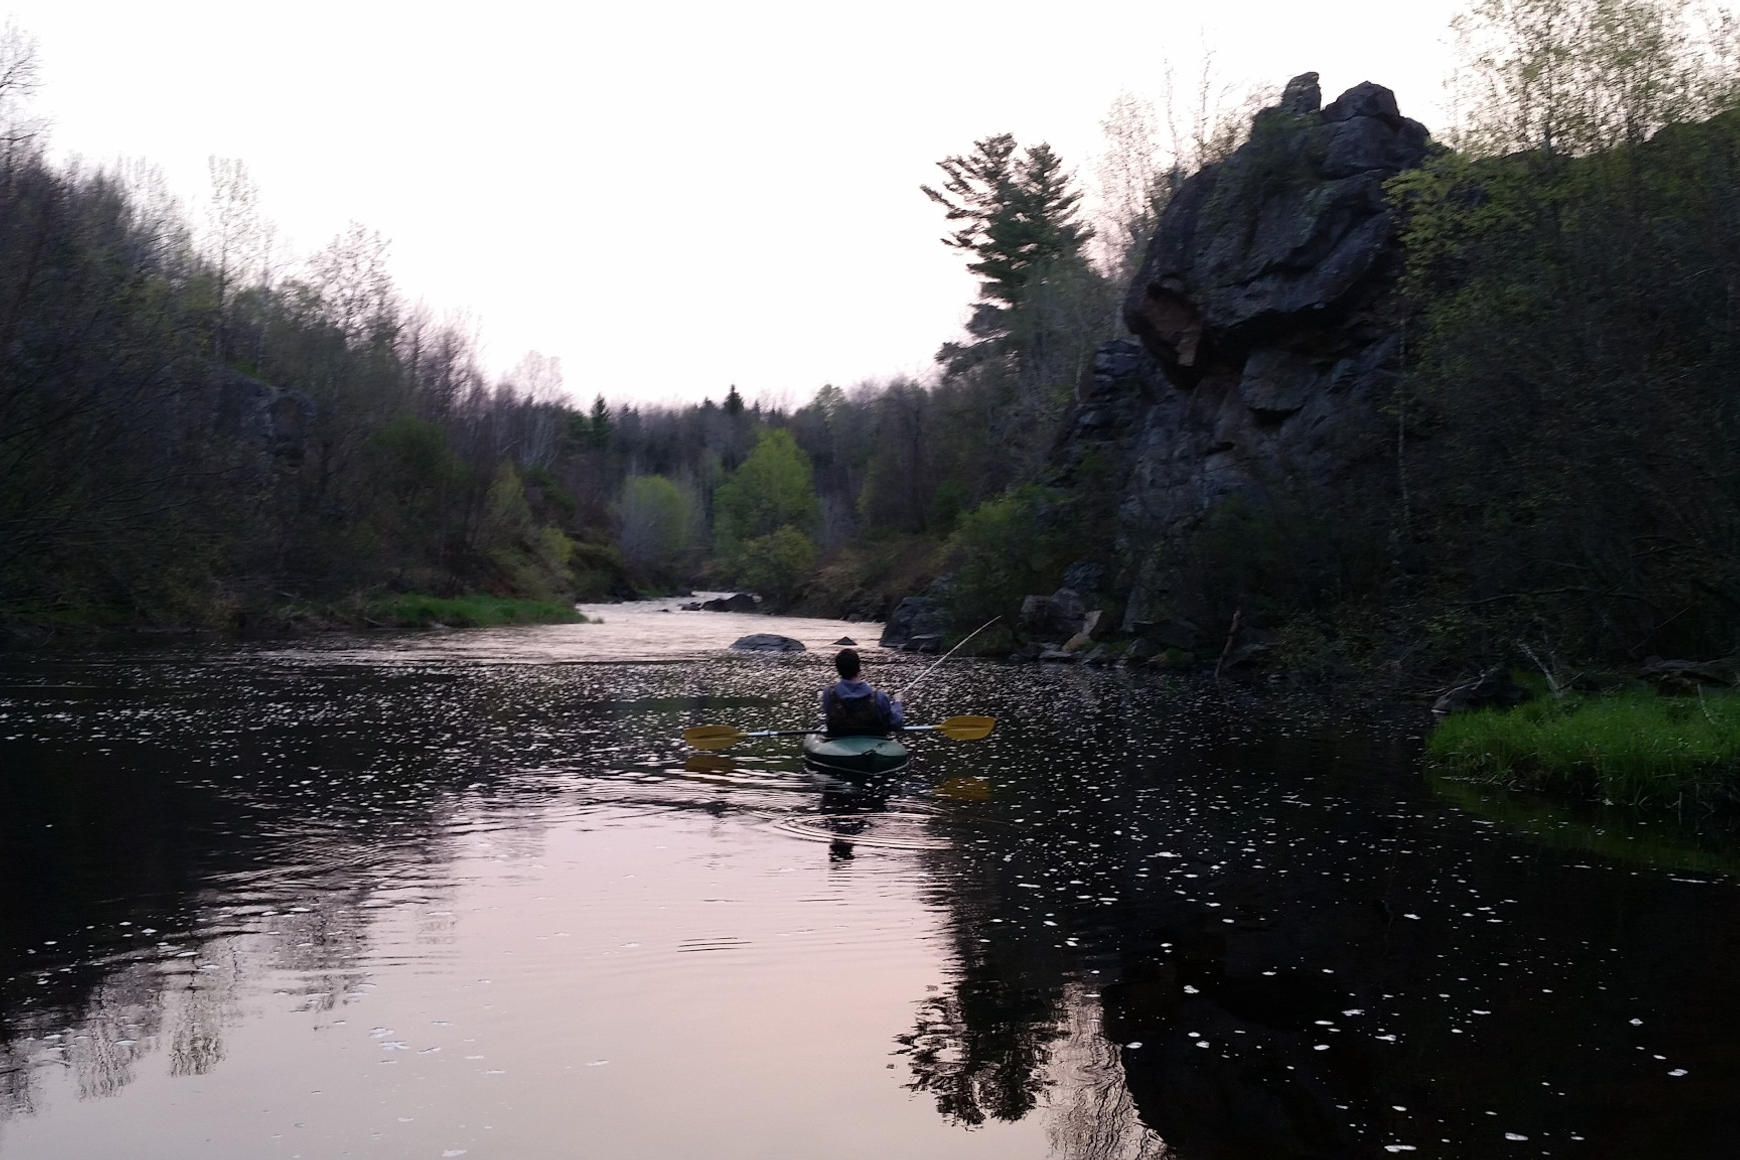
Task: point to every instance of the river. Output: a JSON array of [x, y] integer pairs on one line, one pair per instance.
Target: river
[[467, 893]]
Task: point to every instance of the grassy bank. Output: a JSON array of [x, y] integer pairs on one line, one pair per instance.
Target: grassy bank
[[1634, 747]]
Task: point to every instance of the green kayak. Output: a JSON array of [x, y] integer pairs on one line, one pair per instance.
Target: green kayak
[[862, 756]]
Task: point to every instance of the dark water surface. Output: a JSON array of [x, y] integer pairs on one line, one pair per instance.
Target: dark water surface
[[468, 894]]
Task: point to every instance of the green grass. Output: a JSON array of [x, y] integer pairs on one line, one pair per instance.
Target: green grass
[[413, 610], [1635, 747]]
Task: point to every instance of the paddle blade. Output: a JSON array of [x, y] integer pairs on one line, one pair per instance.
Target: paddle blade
[[964, 789], [713, 736], [967, 728]]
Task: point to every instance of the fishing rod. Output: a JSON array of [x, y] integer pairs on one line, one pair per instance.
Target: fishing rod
[[947, 655]]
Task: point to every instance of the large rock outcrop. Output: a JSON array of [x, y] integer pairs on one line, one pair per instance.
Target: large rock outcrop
[[1267, 324], [271, 418], [1290, 233]]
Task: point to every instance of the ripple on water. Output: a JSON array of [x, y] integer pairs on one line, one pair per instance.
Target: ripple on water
[[895, 825]]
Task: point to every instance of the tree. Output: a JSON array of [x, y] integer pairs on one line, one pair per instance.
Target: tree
[[1573, 77], [770, 490], [236, 238], [20, 77], [1133, 184], [1572, 343], [351, 280], [1018, 221], [653, 519], [599, 430], [733, 402], [902, 474], [776, 564]]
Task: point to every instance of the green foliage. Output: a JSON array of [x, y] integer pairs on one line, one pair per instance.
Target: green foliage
[[1637, 748], [770, 490], [1573, 78], [527, 558], [599, 572], [654, 521], [1572, 388], [1017, 218], [1017, 213], [551, 492], [598, 429], [777, 564], [1007, 548]]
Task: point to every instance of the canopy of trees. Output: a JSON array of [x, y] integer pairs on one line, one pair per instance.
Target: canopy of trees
[[1574, 470]]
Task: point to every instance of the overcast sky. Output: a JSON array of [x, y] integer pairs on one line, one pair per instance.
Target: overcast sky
[[670, 197]]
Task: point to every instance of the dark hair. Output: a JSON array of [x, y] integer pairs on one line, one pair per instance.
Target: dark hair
[[847, 663]]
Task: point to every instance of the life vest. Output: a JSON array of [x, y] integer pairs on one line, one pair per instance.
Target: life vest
[[856, 716]]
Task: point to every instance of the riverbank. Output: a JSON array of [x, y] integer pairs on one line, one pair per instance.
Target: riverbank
[[1635, 747], [292, 618]]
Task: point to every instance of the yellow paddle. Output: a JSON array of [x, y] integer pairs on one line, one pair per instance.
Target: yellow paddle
[[960, 728], [725, 736]]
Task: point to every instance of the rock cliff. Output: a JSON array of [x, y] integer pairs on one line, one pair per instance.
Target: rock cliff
[[1268, 329]]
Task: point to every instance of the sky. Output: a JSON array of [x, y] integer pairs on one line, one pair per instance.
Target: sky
[[670, 198]]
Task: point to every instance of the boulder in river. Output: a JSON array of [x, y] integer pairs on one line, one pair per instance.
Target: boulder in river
[[1173, 632], [916, 621], [1060, 615], [766, 642], [846, 641], [741, 602]]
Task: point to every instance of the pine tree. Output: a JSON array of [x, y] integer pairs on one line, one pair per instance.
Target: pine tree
[[600, 426], [1018, 221]]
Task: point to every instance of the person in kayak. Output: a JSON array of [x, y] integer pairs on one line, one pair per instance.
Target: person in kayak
[[852, 708]]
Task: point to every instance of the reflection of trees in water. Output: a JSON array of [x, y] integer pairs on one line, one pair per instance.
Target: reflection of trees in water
[[264, 821], [988, 1050], [981, 1051], [283, 869], [124, 1021], [203, 1005]]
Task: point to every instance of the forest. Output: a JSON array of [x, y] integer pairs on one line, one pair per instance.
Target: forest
[[195, 432]]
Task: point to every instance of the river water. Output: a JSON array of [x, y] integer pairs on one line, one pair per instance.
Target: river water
[[467, 893]]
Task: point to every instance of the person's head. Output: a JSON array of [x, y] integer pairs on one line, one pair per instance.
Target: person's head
[[847, 664]]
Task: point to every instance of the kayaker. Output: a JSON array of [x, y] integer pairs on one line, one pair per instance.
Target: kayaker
[[852, 708]]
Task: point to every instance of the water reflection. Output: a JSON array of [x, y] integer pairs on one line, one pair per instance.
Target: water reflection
[[1156, 922]]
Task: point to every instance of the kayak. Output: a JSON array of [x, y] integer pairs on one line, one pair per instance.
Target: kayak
[[863, 756]]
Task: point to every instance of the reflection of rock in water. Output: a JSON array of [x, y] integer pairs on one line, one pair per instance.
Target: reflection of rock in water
[[1091, 1115], [1270, 1100]]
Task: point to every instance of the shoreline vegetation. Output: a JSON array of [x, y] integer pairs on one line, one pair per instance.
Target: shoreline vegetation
[[477, 610], [360, 612], [1635, 747]]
